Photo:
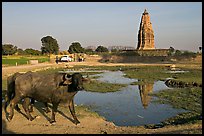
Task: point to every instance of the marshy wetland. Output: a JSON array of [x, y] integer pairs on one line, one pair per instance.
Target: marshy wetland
[[142, 97], [137, 95]]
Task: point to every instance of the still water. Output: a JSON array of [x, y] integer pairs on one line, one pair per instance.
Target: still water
[[131, 106]]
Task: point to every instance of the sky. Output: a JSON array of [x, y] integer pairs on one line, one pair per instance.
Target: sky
[[175, 24]]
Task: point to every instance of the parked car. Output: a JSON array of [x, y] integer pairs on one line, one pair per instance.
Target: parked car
[[65, 59]]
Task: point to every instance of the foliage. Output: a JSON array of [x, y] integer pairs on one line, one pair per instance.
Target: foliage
[[76, 47], [114, 50], [171, 51], [20, 51], [188, 54], [129, 53], [8, 49], [89, 51], [178, 53], [31, 51], [200, 48], [101, 49], [49, 45]]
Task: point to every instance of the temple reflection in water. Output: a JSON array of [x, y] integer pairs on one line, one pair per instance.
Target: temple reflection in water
[[145, 89]]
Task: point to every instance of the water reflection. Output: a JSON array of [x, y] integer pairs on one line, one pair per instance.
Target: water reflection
[[124, 107], [115, 77], [131, 106], [145, 89]]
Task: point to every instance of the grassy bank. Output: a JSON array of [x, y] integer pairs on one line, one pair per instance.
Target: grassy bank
[[183, 98], [194, 75], [20, 60], [154, 73], [102, 87], [189, 99]]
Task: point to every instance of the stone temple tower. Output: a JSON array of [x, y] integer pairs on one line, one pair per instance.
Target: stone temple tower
[[146, 33]]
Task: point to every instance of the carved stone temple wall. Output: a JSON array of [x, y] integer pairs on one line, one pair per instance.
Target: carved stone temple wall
[[146, 33]]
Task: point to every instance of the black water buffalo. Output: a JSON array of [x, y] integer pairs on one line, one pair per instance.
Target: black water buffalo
[[11, 93], [53, 88], [10, 89]]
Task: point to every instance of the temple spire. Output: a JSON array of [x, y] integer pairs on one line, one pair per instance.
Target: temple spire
[[146, 33], [145, 11]]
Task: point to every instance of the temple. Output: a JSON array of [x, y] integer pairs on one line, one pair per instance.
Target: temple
[[146, 33]]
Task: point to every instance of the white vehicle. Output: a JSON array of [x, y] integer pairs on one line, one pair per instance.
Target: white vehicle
[[65, 59]]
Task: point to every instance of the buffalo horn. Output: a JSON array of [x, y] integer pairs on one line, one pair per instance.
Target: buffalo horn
[[67, 76]]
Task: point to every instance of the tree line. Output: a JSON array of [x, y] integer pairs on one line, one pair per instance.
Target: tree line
[[49, 46]]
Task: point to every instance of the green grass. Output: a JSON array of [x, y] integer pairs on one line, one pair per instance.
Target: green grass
[[111, 68], [148, 73], [183, 98], [102, 87], [82, 109], [189, 99], [20, 60], [12, 62], [50, 70], [154, 73], [191, 76]]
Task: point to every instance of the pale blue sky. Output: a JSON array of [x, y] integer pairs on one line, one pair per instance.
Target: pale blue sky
[[176, 24]]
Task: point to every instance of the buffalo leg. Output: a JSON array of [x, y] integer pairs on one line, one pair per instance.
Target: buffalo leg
[[54, 110], [13, 103], [32, 101], [17, 108], [71, 108], [46, 108], [26, 104]]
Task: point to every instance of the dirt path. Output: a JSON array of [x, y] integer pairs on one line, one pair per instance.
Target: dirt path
[[91, 123]]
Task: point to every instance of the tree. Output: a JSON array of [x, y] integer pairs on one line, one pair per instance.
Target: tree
[[20, 51], [75, 47], [178, 53], [171, 51], [114, 50], [101, 49], [8, 49], [31, 51], [89, 51], [200, 48], [49, 45]]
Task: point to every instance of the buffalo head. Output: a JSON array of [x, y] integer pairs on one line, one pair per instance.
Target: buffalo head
[[75, 81]]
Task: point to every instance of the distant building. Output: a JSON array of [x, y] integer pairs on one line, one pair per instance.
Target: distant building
[[120, 48]]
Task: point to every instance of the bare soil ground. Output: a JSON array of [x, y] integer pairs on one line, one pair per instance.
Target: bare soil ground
[[91, 123]]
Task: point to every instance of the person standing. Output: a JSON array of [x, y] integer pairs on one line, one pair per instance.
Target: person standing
[[57, 60]]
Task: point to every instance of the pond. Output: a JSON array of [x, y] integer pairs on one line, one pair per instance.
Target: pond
[[131, 106]]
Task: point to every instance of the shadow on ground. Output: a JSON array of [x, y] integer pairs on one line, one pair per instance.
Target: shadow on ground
[[4, 128]]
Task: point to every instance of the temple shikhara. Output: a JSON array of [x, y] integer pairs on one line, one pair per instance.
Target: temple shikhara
[[146, 33]]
